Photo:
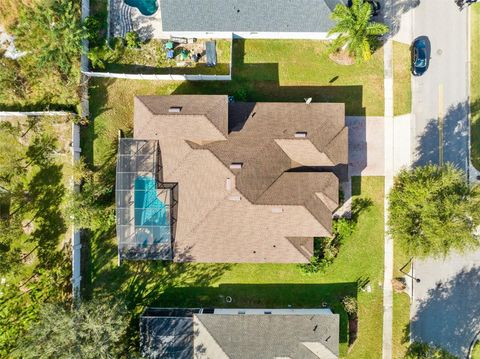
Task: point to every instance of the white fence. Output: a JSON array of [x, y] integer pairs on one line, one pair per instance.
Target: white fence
[[156, 77], [34, 113], [76, 242]]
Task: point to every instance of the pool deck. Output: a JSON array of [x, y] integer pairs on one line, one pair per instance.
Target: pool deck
[[125, 18]]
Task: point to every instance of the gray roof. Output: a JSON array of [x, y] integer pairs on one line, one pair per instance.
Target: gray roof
[[247, 15], [243, 336], [272, 336]]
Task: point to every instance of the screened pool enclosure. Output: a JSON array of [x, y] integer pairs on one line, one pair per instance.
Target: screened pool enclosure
[[142, 202]]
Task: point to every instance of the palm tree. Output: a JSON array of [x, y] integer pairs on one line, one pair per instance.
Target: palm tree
[[357, 33]]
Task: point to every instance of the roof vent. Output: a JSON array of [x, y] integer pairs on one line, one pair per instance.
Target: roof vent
[[277, 210], [236, 165], [175, 109], [234, 198], [300, 134]]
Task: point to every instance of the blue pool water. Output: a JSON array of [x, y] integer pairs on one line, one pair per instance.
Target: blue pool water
[[146, 7], [149, 210]]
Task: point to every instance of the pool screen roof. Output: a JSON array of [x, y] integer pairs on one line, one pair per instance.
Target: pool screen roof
[[142, 205]]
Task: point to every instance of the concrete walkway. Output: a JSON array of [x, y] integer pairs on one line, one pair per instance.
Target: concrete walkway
[[389, 169]]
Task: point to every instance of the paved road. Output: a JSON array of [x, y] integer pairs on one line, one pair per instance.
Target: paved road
[[446, 309], [442, 92]]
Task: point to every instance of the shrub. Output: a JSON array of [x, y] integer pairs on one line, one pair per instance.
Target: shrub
[[326, 248], [132, 39], [100, 56], [350, 305], [419, 350], [91, 27]]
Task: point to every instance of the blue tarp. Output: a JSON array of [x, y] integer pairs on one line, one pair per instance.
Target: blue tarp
[[211, 53]]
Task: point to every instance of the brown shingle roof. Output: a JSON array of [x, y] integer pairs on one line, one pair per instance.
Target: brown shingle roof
[[213, 107], [276, 171]]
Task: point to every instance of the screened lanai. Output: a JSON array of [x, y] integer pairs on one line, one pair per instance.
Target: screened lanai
[[143, 207]]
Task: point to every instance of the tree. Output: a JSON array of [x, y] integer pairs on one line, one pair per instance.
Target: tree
[[13, 82], [100, 56], [418, 350], [51, 31], [433, 210], [92, 330], [357, 34]]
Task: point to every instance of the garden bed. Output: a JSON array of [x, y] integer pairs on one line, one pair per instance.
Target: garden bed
[[151, 58]]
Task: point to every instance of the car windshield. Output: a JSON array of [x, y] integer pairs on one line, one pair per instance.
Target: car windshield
[[420, 63], [420, 57]]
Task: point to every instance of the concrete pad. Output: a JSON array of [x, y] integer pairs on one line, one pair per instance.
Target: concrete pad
[[446, 306], [365, 145], [402, 156]]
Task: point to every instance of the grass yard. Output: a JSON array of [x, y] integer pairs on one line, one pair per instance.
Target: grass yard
[[151, 58], [401, 307], [475, 84], [402, 88], [260, 285], [476, 351], [278, 73], [273, 70], [37, 266]]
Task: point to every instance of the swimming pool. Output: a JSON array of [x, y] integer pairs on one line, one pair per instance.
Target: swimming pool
[[149, 209], [146, 7]]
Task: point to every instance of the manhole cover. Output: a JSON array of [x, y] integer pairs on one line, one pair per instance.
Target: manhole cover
[[439, 51]]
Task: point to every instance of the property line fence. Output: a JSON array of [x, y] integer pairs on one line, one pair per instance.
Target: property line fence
[[35, 113], [76, 240], [159, 77]]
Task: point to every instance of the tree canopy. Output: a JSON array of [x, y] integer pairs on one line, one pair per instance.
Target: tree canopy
[[433, 210], [357, 33], [91, 330], [35, 266]]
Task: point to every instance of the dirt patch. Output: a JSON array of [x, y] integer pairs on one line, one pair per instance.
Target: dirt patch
[[342, 58]]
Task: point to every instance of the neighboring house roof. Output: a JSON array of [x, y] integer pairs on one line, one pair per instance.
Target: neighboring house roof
[[283, 195], [244, 336], [247, 15]]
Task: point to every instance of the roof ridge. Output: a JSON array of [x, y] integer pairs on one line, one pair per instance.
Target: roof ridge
[[208, 331], [329, 353], [327, 146]]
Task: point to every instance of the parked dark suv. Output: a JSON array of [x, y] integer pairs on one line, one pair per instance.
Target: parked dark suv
[[420, 56]]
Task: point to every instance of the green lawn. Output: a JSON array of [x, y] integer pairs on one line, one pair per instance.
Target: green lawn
[[476, 351], [401, 307], [260, 285], [150, 58], [402, 90], [283, 71], [275, 70], [475, 84]]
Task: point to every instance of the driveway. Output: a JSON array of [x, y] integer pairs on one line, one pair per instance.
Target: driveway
[[366, 144], [440, 96], [446, 302]]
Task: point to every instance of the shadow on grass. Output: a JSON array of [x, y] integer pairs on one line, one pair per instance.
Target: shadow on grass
[[260, 82], [263, 296], [475, 133], [199, 69]]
